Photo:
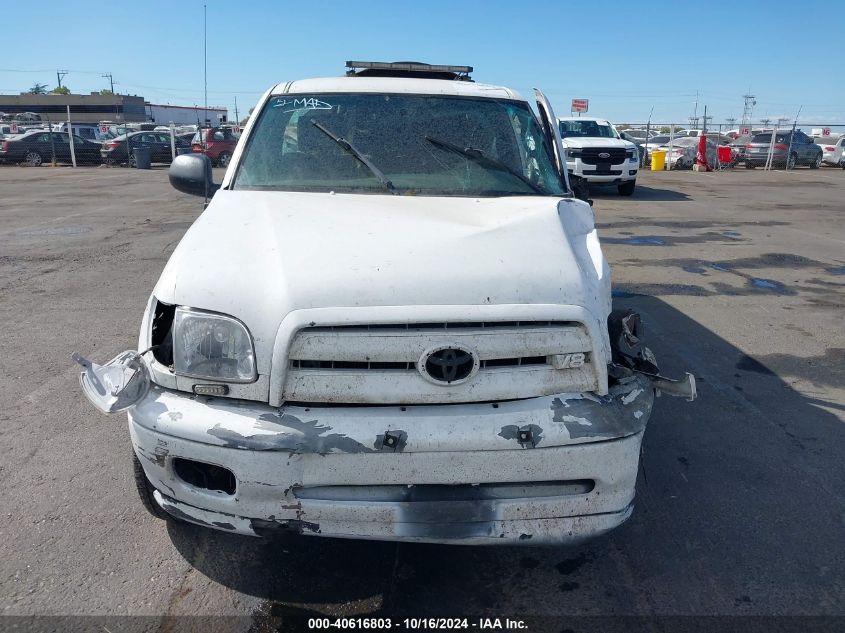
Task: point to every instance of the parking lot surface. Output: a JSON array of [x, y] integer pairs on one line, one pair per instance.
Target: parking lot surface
[[740, 278]]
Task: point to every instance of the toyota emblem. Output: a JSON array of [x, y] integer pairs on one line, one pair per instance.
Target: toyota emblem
[[448, 364]]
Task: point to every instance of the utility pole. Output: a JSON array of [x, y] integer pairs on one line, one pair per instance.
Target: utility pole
[[111, 83], [59, 75], [731, 120], [748, 108], [205, 63], [765, 121], [695, 112], [705, 118], [237, 119]]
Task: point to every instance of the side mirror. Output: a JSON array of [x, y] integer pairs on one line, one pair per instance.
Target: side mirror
[[191, 173]]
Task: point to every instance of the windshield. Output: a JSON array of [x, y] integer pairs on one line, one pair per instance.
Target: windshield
[[586, 128], [317, 142]]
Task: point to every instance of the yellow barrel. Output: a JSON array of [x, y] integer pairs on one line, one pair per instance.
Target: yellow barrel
[[658, 160]]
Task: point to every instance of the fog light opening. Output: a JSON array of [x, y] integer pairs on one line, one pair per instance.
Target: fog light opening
[[205, 476]]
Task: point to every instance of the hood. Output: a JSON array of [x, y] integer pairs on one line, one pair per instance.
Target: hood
[[260, 255], [580, 141]]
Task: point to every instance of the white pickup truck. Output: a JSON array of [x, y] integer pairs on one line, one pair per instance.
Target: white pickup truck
[[392, 321], [597, 155]]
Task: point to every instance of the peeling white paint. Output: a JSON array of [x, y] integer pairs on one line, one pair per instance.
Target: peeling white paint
[[628, 399], [581, 421]]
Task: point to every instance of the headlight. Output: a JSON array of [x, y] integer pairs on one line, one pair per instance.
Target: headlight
[[573, 153], [632, 154], [212, 346]]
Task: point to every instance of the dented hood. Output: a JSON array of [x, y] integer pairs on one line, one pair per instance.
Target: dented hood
[[260, 255]]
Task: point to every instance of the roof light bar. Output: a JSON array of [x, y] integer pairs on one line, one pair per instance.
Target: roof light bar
[[409, 67]]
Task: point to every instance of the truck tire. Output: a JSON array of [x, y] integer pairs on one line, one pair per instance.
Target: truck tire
[[816, 163], [627, 188], [145, 490], [223, 159], [580, 188]]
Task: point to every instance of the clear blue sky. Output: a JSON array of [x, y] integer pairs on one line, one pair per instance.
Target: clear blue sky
[[626, 57]]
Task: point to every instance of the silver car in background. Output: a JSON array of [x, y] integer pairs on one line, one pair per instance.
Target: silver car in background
[[683, 152]]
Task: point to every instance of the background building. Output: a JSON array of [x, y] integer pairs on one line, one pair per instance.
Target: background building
[[83, 108], [185, 115]]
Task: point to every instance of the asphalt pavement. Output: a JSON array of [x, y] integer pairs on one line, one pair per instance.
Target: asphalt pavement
[[740, 509]]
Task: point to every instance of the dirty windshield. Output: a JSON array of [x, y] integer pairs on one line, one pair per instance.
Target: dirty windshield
[[406, 144]]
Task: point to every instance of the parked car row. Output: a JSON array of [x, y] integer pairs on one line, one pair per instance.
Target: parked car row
[[789, 149], [37, 147]]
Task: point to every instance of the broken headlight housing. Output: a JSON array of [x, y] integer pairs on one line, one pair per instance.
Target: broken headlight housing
[[212, 346]]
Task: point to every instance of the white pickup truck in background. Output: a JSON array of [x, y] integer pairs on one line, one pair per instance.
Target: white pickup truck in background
[[597, 155]]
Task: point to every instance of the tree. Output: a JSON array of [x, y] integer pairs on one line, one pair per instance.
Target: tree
[[38, 89], [106, 92], [60, 90]]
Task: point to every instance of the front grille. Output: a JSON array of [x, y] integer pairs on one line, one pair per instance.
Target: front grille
[[438, 325], [607, 172], [407, 366], [590, 155], [378, 363]]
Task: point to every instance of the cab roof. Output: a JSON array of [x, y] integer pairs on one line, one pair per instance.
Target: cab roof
[[395, 85]]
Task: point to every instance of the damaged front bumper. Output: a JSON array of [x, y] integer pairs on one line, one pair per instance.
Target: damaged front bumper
[[552, 469]]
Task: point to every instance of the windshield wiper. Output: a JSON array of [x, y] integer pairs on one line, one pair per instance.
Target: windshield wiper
[[349, 147], [485, 161]]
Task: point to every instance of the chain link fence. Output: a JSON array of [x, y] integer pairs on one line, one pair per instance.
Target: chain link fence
[[36, 139], [780, 144]]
